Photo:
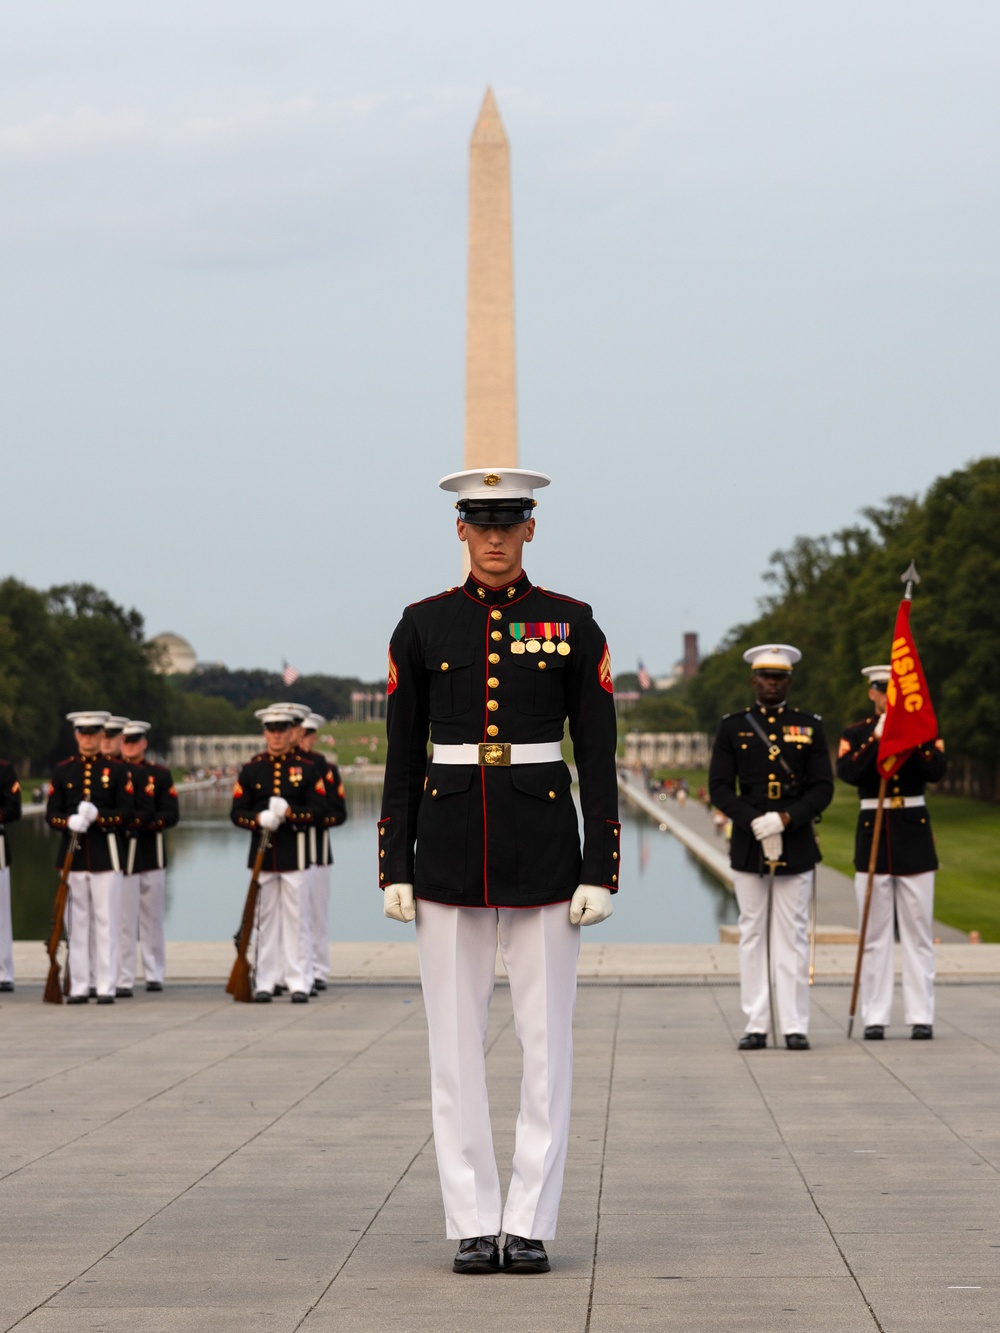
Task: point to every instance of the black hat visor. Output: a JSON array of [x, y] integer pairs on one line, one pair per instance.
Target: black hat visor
[[495, 513]]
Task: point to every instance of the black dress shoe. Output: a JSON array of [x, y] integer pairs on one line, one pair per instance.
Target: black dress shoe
[[105, 999], [123, 992], [262, 997], [874, 1032], [752, 1041], [313, 990], [477, 1254], [77, 999], [796, 1041], [521, 1255], [922, 1032], [154, 985], [319, 983], [6, 987], [300, 997], [93, 992]]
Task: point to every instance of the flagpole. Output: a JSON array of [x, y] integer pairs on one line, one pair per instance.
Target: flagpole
[[863, 931], [909, 577]]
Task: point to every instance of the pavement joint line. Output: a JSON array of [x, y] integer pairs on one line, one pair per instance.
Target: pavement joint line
[[215, 1166], [604, 1155], [94, 1129], [105, 1055], [504, 1027], [873, 1055], [812, 1197]]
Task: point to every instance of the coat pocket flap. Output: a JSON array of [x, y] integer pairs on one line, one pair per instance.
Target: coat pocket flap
[[449, 779], [546, 781], [449, 657]]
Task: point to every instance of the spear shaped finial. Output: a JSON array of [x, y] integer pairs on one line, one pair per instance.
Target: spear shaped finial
[[910, 577]]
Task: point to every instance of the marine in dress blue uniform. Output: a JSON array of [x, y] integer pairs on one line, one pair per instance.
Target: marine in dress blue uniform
[[322, 857], [482, 842], [144, 895], [903, 887], [770, 773], [91, 795]]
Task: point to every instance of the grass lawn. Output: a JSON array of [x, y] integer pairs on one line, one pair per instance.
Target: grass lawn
[[355, 740], [967, 890]]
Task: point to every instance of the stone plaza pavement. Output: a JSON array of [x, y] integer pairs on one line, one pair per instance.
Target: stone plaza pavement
[[181, 1162]]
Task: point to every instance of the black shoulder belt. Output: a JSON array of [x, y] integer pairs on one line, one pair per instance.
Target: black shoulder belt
[[773, 751]]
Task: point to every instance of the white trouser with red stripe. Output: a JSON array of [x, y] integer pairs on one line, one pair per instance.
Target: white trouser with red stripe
[[284, 934], [6, 929], [93, 908], [913, 898], [457, 948], [319, 896], [144, 901], [789, 950]]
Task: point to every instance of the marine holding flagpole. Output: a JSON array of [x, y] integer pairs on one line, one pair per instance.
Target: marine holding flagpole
[[890, 758]]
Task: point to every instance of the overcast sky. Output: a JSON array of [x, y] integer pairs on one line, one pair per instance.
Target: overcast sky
[[756, 289]]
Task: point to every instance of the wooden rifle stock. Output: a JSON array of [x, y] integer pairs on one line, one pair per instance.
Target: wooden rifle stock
[[239, 985], [53, 991]]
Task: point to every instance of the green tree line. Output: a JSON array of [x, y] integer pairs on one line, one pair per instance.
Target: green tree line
[[73, 647], [835, 598]]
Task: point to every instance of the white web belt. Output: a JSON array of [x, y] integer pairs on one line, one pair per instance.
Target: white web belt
[[893, 802], [494, 754]]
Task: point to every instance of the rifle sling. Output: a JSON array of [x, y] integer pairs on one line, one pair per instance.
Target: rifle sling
[[772, 750]]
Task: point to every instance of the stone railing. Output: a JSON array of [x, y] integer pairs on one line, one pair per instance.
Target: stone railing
[[666, 749]]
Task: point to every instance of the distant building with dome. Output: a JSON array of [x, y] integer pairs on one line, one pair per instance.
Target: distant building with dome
[[176, 656]]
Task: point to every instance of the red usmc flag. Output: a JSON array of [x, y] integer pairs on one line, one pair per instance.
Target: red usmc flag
[[909, 717]]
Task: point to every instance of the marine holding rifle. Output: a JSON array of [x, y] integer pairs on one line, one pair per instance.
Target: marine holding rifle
[[903, 884], [770, 773]]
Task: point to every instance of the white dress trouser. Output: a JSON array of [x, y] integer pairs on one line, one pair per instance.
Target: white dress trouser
[[94, 907], [6, 929], [789, 950], [144, 901], [457, 948], [319, 895], [284, 935], [913, 896]]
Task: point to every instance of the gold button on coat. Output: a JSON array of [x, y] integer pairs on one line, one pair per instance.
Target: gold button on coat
[[492, 705], [494, 658], [541, 666], [492, 682], [496, 634], [552, 796], [496, 615], [493, 730], [444, 667]]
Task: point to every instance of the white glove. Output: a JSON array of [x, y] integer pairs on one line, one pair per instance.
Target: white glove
[[399, 903], [78, 823], [88, 810], [267, 819], [764, 826], [590, 904], [879, 725], [278, 806], [771, 847]]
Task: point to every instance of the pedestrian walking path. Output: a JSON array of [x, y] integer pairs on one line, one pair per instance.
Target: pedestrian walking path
[[691, 824], [180, 1162]]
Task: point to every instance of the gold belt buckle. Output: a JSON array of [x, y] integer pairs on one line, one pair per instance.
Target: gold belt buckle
[[493, 754], [897, 802], [773, 791]]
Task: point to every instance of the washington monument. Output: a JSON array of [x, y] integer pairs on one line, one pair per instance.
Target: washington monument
[[490, 382]]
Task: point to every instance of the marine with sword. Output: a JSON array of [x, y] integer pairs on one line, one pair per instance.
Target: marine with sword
[[770, 773]]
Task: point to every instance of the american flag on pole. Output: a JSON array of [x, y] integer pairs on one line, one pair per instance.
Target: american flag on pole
[[645, 679], [288, 673]]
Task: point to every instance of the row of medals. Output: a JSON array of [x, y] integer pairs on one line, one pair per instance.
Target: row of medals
[[540, 646]]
